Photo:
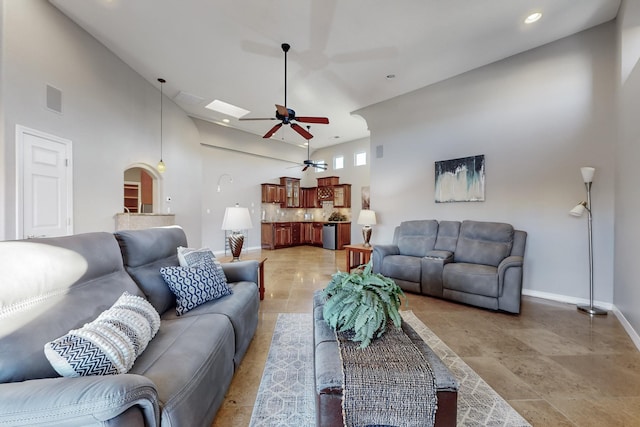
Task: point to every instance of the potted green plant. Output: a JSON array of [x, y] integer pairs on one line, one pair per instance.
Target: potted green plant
[[362, 302]]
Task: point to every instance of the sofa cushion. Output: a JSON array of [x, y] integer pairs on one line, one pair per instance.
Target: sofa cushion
[[193, 286], [189, 257], [144, 253], [110, 344], [402, 267], [485, 243], [416, 238], [65, 282], [448, 232], [471, 278], [191, 362]]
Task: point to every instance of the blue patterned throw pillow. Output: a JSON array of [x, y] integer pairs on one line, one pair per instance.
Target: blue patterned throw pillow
[[194, 285]]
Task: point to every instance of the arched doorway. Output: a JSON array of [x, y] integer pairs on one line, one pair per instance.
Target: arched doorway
[[142, 189]]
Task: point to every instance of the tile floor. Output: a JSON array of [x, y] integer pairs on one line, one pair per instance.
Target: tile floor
[[554, 365]]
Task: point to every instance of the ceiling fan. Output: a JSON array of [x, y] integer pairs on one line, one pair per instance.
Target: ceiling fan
[[286, 115], [310, 163]]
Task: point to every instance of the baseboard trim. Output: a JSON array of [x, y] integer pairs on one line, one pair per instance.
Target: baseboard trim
[[579, 301]]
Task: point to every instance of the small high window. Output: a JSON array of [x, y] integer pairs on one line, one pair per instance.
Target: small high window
[[338, 162], [361, 159], [321, 163]]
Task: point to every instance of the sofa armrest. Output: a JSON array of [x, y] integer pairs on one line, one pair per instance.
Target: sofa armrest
[[381, 251], [510, 283], [241, 271], [78, 401], [509, 262]]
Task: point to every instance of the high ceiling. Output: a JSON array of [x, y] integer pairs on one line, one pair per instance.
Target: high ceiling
[[342, 52]]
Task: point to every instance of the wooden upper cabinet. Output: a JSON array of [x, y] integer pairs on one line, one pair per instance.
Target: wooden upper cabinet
[[309, 197], [292, 192], [342, 196], [273, 193]]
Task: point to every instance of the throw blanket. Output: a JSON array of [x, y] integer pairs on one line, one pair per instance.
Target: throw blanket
[[388, 383]]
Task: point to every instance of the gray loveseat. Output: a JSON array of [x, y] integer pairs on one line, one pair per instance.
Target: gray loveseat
[[472, 262], [50, 286]]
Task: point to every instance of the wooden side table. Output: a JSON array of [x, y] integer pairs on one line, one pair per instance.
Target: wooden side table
[[260, 271], [357, 255]]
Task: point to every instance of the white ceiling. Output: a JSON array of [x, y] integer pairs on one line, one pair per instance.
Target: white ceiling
[[341, 51]]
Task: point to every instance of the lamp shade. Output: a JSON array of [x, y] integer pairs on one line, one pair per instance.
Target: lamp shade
[[236, 218], [587, 173], [367, 217], [578, 210]]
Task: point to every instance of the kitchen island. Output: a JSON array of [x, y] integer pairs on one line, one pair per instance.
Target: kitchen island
[[284, 234]]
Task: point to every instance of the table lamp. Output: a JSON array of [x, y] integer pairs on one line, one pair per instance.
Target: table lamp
[[367, 218], [235, 220]]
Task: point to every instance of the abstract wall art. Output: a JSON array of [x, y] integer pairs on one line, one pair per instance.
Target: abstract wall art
[[460, 180]]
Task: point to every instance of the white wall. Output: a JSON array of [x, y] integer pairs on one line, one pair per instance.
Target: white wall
[[537, 117], [357, 176], [110, 113], [3, 174], [250, 160], [627, 233]]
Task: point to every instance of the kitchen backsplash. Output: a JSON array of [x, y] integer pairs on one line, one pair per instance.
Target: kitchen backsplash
[[273, 212]]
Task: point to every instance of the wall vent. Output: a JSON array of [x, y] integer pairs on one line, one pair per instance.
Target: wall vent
[[379, 151], [54, 99]]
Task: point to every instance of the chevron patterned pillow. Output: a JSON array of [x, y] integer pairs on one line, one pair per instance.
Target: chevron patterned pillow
[[108, 345]]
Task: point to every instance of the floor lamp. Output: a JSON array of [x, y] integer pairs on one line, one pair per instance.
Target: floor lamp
[[235, 220], [587, 176]]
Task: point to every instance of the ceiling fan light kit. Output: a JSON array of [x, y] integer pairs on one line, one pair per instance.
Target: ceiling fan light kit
[[287, 116]]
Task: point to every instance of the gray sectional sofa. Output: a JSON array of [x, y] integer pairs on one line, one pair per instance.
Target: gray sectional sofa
[[50, 286], [472, 262]]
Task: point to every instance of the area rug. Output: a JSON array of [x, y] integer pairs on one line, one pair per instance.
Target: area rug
[[286, 396]]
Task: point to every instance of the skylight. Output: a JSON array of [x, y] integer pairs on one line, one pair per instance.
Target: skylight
[[228, 109]]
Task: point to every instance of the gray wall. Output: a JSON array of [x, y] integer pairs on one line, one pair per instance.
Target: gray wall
[[110, 113], [537, 117], [627, 233]]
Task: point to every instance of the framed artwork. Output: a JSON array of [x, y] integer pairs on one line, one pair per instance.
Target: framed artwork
[[460, 180], [365, 197]]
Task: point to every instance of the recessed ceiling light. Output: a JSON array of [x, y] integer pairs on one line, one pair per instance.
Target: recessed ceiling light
[[533, 18], [391, 76], [225, 120], [228, 109]]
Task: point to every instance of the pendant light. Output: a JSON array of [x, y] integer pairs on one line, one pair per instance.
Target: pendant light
[[161, 166]]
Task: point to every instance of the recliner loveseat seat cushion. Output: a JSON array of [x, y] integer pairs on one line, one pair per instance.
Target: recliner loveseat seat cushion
[[485, 243], [471, 278], [402, 267]]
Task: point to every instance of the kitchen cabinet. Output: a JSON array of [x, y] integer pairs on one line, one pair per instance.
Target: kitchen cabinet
[[296, 237], [285, 234], [342, 196], [343, 235], [316, 234], [276, 235], [292, 192], [273, 193], [306, 231], [309, 197]]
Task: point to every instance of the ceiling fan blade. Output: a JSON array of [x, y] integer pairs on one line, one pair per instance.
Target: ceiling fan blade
[[320, 120], [272, 131], [305, 168], [258, 118], [282, 110], [301, 131]]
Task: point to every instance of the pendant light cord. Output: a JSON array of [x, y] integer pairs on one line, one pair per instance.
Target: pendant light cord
[[162, 81]]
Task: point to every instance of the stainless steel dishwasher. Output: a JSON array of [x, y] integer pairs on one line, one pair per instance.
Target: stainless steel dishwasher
[[329, 236]]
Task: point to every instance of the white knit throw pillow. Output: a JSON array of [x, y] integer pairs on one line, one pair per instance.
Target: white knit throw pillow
[[108, 345]]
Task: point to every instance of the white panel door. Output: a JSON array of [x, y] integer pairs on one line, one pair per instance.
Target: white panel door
[[44, 184]]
